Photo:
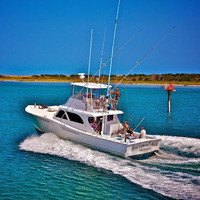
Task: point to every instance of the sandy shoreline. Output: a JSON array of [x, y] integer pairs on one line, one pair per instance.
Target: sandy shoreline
[[144, 84]]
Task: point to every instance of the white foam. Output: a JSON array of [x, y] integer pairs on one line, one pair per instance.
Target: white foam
[[184, 145], [174, 184]]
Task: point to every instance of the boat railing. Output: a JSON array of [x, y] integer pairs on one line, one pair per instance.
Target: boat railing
[[99, 104], [95, 104]]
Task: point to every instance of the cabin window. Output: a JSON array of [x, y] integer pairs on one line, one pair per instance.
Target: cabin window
[[75, 118], [110, 118], [61, 114]]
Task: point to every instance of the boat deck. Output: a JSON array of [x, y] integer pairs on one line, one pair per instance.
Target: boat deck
[[42, 112]]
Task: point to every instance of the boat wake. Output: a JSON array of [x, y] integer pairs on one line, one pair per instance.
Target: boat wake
[[168, 173], [183, 146]]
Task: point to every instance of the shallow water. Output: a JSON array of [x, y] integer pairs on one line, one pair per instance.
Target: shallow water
[[46, 167]]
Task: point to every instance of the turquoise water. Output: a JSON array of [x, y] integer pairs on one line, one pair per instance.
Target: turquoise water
[[45, 167]]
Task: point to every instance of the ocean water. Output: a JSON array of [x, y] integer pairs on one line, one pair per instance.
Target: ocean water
[[46, 167]]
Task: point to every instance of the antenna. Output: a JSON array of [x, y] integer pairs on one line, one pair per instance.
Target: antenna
[[113, 48]]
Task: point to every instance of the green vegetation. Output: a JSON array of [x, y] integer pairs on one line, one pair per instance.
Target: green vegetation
[[184, 79]]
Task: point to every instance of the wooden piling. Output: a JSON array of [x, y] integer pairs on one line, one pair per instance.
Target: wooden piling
[[169, 100]]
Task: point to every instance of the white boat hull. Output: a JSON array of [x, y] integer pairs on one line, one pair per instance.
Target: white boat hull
[[139, 147]]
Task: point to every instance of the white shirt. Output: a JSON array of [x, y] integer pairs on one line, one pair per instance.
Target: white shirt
[[143, 134]]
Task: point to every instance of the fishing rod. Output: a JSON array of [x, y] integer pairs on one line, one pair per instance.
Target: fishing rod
[[131, 122], [138, 63], [139, 123]]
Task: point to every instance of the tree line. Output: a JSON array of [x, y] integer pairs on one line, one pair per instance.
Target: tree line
[[178, 77]]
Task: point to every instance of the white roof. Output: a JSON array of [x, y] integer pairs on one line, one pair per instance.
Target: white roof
[[91, 85]]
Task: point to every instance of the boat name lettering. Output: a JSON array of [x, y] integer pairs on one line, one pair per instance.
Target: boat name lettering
[[145, 144]]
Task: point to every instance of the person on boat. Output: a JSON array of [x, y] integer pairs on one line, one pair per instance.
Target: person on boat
[[130, 132], [142, 133], [94, 125], [116, 98], [124, 128]]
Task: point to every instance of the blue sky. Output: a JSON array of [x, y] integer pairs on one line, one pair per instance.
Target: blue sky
[[53, 37]]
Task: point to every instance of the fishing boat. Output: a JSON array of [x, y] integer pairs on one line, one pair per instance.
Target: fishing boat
[[88, 118], [75, 121]]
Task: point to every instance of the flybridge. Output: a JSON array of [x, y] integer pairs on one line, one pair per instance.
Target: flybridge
[[89, 97]]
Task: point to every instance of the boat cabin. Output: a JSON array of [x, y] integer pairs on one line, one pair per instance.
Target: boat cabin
[[89, 110]]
